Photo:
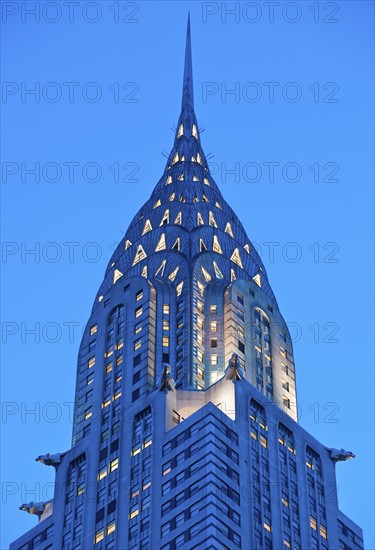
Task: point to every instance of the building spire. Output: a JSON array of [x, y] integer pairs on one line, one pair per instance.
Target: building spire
[[187, 90]]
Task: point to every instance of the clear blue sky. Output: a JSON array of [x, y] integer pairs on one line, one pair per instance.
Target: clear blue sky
[[324, 220]]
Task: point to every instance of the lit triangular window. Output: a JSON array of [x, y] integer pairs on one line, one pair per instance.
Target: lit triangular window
[[181, 177], [217, 204], [169, 180], [165, 218], [201, 287], [171, 198], [147, 227], [228, 229], [202, 246], [144, 271], [182, 198], [172, 276], [232, 275], [216, 246], [140, 255], [204, 198], [179, 288], [175, 159], [200, 219], [193, 159], [195, 178], [195, 199], [206, 275], [180, 130], [117, 275], [236, 258], [158, 203], [161, 268], [218, 273], [178, 220], [206, 182], [199, 159], [176, 245], [211, 220], [161, 243], [195, 131], [127, 244], [247, 248], [168, 168], [182, 159], [257, 279]]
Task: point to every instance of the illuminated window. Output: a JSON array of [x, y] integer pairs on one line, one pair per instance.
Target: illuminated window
[[147, 227], [91, 362], [236, 258], [213, 309], [166, 309], [80, 490], [254, 435], [181, 176], [263, 441], [147, 442], [201, 287], [165, 218], [216, 245], [194, 131], [108, 368], [217, 204], [165, 324], [204, 198], [88, 414], [214, 359], [161, 244], [144, 271], [111, 527], [134, 511], [165, 341], [257, 280], [120, 343], [127, 244], [285, 502], [195, 178], [180, 130], [138, 311], [247, 248], [175, 159], [140, 255], [99, 536], [211, 220], [137, 345], [171, 198], [136, 450], [267, 526], [313, 524], [206, 275], [169, 180], [106, 403], [323, 531], [199, 158], [172, 276], [213, 326], [206, 181], [157, 204], [182, 198], [287, 544], [117, 396], [200, 219], [146, 486], [93, 329], [179, 288], [113, 465], [178, 220]]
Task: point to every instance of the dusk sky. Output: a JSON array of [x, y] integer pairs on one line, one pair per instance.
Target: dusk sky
[[285, 98]]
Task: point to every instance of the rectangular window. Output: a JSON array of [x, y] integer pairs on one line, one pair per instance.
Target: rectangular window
[[91, 362], [323, 531], [166, 309], [139, 295], [93, 329], [113, 465], [88, 413], [165, 324], [138, 328], [214, 359], [240, 299], [213, 326], [99, 536], [285, 384], [200, 373], [286, 402], [213, 309], [313, 524], [213, 342], [165, 341], [137, 344], [111, 527], [138, 311]]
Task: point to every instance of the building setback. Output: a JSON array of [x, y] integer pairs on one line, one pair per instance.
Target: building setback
[[185, 425]]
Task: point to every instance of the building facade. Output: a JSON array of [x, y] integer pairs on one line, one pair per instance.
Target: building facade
[[185, 425]]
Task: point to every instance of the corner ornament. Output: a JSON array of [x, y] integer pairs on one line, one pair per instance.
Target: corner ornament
[[234, 371], [166, 382], [340, 455]]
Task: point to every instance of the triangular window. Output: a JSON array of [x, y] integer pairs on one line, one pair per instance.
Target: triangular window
[[176, 245], [144, 271], [218, 273], [206, 275], [140, 255], [202, 246], [211, 220], [178, 220], [147, 227], [127, 244], [165, 218], [172, 276], [216, 246], [232, 275], [179, 288], [195, 131], [169, 180], [236, 258], [247, 248], [257, 279], [161, 243], [117, 275], [161, 268], [180, 130], [228, 229], [200, 219], [158, 203], [175, 159]]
